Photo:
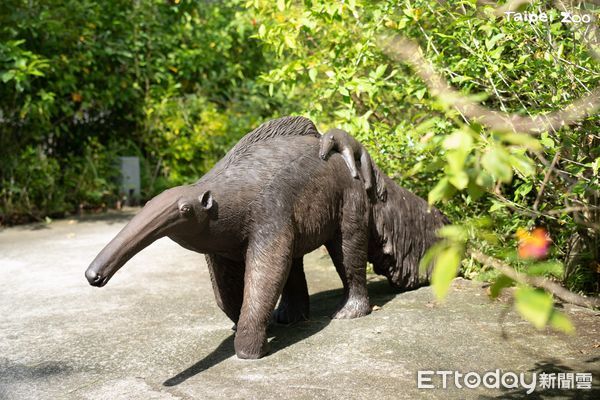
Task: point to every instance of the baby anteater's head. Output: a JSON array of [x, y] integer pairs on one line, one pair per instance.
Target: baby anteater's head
[[327, 144]]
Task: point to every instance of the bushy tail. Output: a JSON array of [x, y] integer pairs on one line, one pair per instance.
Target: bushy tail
[[403, 228]]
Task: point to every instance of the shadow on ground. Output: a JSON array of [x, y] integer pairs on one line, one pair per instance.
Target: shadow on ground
[[23, 372], [323, 304]]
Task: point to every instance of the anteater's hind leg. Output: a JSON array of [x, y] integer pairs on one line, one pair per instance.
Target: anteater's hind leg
[[227, 277], [294, 303], [348, 252]]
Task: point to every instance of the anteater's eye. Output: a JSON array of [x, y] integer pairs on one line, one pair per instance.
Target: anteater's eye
[[185, 210]]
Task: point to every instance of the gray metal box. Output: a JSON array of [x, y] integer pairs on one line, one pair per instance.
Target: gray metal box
[[130, 179]]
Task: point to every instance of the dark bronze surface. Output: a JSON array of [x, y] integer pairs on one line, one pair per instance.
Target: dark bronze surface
[[266, 204], [352, 151]]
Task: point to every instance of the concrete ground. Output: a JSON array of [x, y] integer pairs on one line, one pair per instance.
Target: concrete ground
[[155, 332]]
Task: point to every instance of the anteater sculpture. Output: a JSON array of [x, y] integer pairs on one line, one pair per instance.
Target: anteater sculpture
[[268, 202], [352, 152]]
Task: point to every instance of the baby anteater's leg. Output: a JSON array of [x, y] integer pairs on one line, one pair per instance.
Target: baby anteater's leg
[[350, 162], [366, 167]]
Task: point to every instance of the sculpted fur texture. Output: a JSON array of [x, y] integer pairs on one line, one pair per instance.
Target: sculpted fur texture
[[353, 152], [402, 229], [266, 204]]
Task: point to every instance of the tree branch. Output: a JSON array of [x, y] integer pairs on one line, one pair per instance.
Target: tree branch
[[545, 182], [537, 281], [408, 51]]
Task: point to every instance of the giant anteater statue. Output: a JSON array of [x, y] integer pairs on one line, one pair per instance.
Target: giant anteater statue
[[266, 204]]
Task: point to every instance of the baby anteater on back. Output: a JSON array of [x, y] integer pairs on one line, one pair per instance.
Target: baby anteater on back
[[351, 150]]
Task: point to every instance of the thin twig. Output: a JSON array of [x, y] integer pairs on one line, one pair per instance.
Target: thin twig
[[570, 209], [408, 51], [519, 208], [537, 281], [545, 181]]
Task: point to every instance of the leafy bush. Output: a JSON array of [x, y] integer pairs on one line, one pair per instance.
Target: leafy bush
[[173, 83], [32, 189]]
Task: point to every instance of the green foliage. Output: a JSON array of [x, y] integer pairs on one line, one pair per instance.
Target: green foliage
[[173, 83], [536, 306], [32, 188], [91, 180], [189, 135], [445, 269], [501, 282]]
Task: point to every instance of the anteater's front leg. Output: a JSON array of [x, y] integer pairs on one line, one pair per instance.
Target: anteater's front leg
[[227, 277], [268, 262]]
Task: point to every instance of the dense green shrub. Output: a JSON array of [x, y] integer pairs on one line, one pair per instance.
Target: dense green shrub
[[171, 83]]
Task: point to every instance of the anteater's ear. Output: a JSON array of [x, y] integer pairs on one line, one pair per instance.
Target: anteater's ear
[[206, 200]]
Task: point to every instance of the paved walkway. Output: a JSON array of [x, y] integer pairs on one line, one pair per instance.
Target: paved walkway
[[155, 332]]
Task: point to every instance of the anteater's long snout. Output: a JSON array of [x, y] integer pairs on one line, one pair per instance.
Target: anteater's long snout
[[131, 240], [94, 278], [147, 226], [105, 265], [323, 152]]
